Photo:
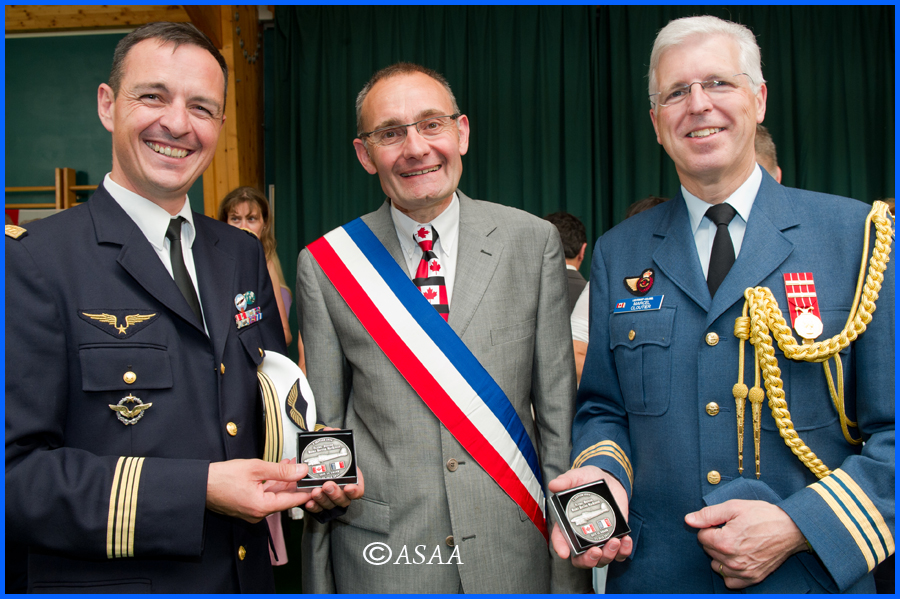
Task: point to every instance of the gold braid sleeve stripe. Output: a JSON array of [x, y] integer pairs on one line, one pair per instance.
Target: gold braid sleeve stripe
[[123, 498], [607, 448], [874, 520], [274, 434], [858, 515]]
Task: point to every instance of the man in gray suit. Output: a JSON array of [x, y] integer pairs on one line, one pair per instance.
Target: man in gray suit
[[455, 493]]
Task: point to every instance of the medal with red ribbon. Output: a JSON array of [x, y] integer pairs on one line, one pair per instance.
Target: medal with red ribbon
[[803, 305]]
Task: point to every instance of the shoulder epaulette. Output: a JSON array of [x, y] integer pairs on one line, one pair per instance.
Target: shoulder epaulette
[[249, 231], [15, 231]]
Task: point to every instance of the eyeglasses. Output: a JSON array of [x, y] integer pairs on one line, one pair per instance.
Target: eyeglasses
[[714, 87], [427, 128]]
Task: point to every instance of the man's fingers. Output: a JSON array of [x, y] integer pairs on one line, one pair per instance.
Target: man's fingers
[[559, 542], [624, 549], [574, 478], [711, 515], [283, 471]]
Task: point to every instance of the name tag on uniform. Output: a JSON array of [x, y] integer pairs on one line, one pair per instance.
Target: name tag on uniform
[[639, 304]]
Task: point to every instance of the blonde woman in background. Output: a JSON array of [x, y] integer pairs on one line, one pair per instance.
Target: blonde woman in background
[[247, 208]]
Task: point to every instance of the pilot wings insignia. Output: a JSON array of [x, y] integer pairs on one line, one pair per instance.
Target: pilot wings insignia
[[109, 321], [129, 415]]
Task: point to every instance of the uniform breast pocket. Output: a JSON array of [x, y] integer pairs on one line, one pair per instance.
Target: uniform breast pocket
[[253, 345], [118, 367], [640, 343]]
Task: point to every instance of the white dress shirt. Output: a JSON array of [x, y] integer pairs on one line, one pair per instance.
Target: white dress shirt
[[580, 314], [705, 230], [153, 221], [447, 226]]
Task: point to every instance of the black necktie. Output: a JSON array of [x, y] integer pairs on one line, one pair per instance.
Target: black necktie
[[179, 270], [722, 256]]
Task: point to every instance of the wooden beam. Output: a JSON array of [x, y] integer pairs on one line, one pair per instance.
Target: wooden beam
[[208, 19], [35, 18], [238, 159]]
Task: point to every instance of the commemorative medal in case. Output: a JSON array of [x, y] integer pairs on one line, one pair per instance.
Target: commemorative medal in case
[[588, 516], [330, 455]]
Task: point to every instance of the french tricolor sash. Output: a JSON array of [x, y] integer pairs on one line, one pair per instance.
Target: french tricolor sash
[[433, 360]]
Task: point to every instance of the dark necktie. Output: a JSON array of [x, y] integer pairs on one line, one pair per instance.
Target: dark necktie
[[722, 256], [430, 273], [179, 270]]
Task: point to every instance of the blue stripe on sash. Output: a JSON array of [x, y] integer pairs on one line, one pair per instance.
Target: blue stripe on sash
[[445, 338]]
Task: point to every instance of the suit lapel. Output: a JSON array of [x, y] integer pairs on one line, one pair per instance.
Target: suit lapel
[[137, 257], [477, 258], [215, 276], [677, 256], [382, 225], [764, 249]]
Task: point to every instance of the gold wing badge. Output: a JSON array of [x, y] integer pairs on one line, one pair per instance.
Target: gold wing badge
[[113, 321]]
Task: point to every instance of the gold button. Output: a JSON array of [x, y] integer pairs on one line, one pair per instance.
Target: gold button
[[231, 428], [711, 339], [712, 408], [261, 353], [631, 335], [129, 377], [713, 477], [450, 541], [242, 553], [452, 465], [222, 368]]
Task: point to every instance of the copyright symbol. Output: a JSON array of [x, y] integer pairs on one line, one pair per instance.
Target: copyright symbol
[[377, 554]]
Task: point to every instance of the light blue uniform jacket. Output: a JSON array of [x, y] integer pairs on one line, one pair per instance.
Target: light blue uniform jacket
[[642, 411]]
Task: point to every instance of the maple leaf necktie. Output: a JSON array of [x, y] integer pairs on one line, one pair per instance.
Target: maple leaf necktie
[[430, 273]]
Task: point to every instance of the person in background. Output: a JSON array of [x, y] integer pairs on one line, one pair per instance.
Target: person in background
[[580, 313], [574, 240], [247, 208], [765, 152], [768, 475]]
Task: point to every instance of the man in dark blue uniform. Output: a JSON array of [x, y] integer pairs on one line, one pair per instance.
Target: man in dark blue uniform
[[787, 486], [131, 409]]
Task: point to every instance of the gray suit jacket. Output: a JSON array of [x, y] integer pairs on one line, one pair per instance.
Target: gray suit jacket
[[505, 307]]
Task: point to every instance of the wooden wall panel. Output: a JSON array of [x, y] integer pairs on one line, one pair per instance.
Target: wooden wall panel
[[34, 18]]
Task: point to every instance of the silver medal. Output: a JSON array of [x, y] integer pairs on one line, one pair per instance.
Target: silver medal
[[327, 457], [591, 517]]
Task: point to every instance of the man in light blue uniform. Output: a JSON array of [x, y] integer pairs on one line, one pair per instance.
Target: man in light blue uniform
[[656, 415]]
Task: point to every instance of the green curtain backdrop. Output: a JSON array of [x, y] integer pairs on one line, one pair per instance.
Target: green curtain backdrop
[[522, 75], [557, 101]]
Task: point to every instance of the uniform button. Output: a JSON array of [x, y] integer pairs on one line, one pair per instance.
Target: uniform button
[[242, 553], [222, 368], [712, 408], [450, 541], [711, 339], [713, 477], [631, 335], [452, 465], [261, 353], [231, 428], [129, 377]]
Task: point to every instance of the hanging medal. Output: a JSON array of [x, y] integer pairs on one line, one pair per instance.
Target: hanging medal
[[803, 305]]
